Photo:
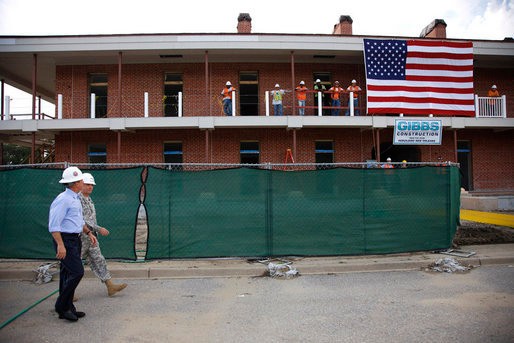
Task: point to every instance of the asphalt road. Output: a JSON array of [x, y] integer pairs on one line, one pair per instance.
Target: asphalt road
[[409, 306]]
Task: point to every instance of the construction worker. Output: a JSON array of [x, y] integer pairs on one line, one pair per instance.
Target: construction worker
[[65, 224], [388, 165], [301, 95], [92, 253], [335, 93], [355, 89], [277, 95], [227, 98], [319, 87]]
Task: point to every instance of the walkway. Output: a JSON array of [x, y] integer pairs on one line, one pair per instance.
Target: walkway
[[488, 217]]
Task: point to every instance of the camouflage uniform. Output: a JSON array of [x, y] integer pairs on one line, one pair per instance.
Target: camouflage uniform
[[92, 254]]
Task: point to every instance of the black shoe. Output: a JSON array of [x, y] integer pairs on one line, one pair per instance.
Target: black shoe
[[68, 315], [80, 314]]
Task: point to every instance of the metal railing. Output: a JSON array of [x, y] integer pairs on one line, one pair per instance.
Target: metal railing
[[490, 107]]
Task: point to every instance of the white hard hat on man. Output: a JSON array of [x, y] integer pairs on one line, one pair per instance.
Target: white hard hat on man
[[71, 174], [89, 179]]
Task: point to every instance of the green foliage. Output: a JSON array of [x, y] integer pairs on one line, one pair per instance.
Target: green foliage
[[15, 154]]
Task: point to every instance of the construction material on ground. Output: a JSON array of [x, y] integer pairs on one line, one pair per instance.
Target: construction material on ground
[[458, 253], [282, 269], [448, 265], [45, 272]]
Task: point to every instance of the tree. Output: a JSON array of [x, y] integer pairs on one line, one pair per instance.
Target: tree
[[15, 154]]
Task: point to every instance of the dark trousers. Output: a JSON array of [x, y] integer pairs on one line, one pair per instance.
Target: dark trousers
[[71, 272]]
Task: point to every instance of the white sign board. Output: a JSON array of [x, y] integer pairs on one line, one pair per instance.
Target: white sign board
[[417, 132]]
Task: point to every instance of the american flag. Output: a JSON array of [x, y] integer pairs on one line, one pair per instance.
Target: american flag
[[419, 77]]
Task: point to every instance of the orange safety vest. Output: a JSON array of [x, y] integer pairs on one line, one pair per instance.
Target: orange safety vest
[[355, 90], [227, 92], [301, 93], [335, 92]]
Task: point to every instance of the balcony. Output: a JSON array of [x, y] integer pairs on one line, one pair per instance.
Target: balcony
[[490, 107]]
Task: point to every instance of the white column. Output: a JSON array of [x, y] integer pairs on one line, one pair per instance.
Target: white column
[[504, 106], [180, 104], [7, 107], [59, 106], [233, 103], [267, 103], [93, 100], [477, 106], [320, 104], [146, 104], [350, 102]]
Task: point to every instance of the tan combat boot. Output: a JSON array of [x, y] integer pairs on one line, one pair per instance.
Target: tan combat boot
[[113, 288]]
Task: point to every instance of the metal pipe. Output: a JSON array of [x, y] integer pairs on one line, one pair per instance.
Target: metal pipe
[[455, 147], [119, 83], [2, 90], [294, 145], [266, 96], [34, 86], [206, 146], [180, 104], [119, 146], [293, 83], [207, 97]]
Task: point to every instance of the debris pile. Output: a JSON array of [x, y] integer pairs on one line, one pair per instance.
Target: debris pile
[[282, 269], [447, 265], [44, 272]]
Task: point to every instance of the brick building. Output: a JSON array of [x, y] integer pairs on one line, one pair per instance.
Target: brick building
[[156, 98]]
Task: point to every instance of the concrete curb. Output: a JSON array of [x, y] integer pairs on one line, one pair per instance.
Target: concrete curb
[[485, 255]]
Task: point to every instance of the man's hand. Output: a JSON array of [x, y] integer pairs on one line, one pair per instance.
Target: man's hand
[[93, 239], [103, 231], [61, 252]]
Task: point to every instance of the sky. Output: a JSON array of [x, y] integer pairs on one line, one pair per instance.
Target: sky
[[465, 19]]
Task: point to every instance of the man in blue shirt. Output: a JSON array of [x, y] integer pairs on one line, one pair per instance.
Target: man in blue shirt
[[65, 225]]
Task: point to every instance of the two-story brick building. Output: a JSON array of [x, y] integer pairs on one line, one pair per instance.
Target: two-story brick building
[[154, 98]]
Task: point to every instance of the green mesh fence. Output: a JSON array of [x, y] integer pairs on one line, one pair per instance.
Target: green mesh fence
[[249, 212], [243, 211], [25, 198]]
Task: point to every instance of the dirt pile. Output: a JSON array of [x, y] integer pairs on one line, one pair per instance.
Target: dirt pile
[[472, 233]]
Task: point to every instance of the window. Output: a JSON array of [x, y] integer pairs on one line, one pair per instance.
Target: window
[[173, 84], [249, 152], [173, 153], [98, 86], [97, 153], [249, 93], [324, 151]]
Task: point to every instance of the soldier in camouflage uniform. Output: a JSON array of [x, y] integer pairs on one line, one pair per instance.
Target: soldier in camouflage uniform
[[92, 253]]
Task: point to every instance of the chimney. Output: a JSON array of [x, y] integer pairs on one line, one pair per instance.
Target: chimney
[[244, 23], [344, 27], [436, 29]]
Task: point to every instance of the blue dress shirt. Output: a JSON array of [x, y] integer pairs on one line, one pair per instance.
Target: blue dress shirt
[[66, 213]]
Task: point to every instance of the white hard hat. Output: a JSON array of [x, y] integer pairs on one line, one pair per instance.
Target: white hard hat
[[89, 179], [71, 174], [318, 80], [228, 83], [277, 85], [353, 81], [389, 159], [493, 86], [302, 82]]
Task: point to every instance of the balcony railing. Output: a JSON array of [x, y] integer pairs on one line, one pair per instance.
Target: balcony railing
[[490, 107]]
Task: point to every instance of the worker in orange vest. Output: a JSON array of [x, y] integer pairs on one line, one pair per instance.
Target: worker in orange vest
[[335, 94], [227, 98], [301, 95], [355, 89]]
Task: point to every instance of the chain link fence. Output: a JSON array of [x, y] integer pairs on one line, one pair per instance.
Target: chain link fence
[[162, 211]]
